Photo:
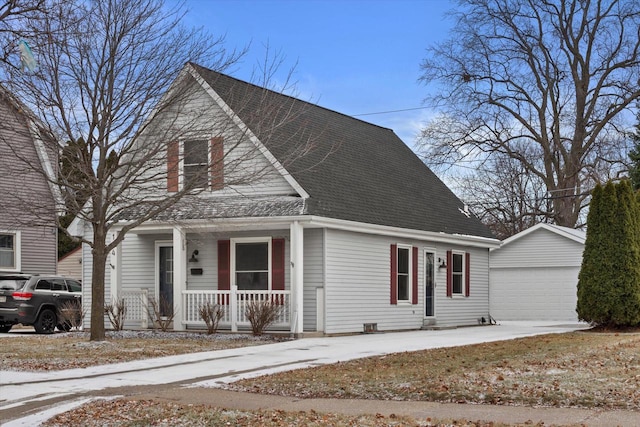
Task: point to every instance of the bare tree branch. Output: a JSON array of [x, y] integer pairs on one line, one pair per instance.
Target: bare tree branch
[[556, 75]]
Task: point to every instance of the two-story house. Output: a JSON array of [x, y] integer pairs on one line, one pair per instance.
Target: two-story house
[[28, 233]]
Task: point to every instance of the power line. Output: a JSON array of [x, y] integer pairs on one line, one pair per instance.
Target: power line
[[390, 111]]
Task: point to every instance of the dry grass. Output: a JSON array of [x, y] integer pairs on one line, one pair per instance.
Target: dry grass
[[569, 370], [574, 370], [126, 413], [74, 350]]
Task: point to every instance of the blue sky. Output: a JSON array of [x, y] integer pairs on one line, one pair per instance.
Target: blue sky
[[353, 56]]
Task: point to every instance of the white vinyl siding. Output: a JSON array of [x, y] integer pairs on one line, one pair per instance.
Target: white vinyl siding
[[357, 285], [313, 275], [357, 288], [535, 277], [534, 293], [246, 170], [465, 310]]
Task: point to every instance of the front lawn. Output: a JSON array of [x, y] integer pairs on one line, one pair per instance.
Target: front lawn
[[580, 369]]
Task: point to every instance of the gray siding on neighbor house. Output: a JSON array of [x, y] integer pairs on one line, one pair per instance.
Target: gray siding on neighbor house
[[357, 285], [313, 275], [39, 250], [28, 205]]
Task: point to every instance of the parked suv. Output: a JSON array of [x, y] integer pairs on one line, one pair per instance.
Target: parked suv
[[38, 301]]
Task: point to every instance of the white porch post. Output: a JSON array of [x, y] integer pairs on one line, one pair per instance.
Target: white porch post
[[297, 269], [179, 275], [115, 280]]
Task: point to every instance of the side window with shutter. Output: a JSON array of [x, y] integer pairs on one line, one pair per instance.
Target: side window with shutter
[[458, 274]]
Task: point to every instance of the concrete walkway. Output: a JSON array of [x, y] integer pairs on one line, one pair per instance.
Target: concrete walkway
[[25, 397]]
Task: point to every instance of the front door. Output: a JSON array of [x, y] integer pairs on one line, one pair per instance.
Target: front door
[[165, 280], [429, 284]]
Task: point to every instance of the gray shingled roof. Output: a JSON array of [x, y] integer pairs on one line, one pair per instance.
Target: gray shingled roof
[[356, 170]]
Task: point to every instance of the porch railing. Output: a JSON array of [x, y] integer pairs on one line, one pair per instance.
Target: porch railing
[[137, 303], [234, 305]]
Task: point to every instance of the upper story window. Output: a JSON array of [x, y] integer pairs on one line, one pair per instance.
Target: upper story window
[[198, 162], [8, 258]]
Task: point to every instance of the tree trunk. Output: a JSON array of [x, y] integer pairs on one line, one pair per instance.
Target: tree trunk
[[97, 286]]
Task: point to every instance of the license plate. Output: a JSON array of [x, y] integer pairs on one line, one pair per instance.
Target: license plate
[[3, 299]]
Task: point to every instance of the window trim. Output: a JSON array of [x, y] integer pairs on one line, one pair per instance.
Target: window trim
[[409, 274], [462, 273], [232, 260], [17, 251]]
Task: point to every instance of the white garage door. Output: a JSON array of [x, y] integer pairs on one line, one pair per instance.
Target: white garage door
[[534, 293]]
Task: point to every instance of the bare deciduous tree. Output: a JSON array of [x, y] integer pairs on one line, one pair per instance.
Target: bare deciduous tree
[[108, 82], [504, 196], [558, 76]]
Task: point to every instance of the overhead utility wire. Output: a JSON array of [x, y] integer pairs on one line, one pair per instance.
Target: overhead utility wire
[[390, 111]]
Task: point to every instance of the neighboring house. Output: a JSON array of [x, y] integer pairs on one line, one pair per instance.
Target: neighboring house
[[350, 232], [534, 274], [28, 233], [70, 265]]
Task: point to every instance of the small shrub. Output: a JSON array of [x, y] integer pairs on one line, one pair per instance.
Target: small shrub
[[211, 314], [262, 314], [117, 312], [71, 316], [161, 313]]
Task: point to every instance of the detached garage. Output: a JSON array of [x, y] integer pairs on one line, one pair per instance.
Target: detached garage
[[534, 274]]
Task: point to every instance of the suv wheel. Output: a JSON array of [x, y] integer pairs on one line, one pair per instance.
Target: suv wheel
[[5, 328], [46, 322]]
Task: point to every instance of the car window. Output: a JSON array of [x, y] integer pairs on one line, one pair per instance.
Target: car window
[[74, 286], [43, 285], [11, 284], [58, 285]]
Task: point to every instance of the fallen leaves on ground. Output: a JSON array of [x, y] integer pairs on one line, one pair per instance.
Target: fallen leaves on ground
[[565, 370], [138, 413], [74, 350]]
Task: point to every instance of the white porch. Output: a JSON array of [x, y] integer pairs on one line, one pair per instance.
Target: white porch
[[232, 303], [189, 293]]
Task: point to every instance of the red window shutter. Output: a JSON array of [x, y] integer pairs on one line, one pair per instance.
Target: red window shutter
[[449, 273], [217, 163], [277, 264], [173, 165], [394, 274], [467, 274], [224, 265], [414, 284]]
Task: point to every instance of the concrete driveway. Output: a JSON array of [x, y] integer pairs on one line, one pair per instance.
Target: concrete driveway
[[26, 396]]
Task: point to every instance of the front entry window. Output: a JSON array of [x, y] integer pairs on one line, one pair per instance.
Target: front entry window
[[252, 266]]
